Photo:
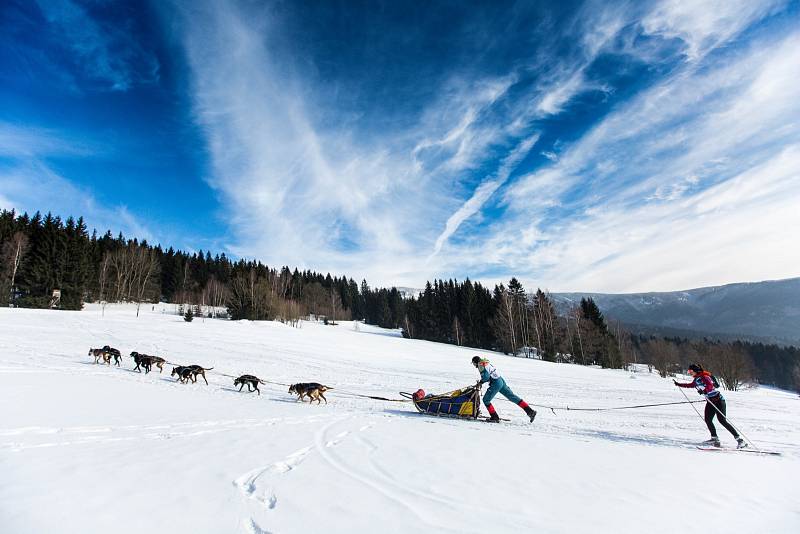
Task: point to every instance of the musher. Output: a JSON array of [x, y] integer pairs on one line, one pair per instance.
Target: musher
[[497, 384]]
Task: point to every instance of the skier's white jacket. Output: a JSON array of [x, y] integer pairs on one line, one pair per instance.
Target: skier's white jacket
[[488, 371]]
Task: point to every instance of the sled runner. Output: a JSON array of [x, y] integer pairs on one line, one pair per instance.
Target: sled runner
[[464, 402]]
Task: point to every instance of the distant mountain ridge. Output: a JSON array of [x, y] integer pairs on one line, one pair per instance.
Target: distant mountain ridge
[[760, 311]]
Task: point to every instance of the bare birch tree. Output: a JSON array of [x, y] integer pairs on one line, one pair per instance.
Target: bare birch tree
[[215, 295], [457, 331], [13, 252], [504, 322], [134, 271], [105, 266]]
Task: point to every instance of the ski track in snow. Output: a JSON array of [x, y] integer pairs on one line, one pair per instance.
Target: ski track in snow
[[397, 495], [259, 484]]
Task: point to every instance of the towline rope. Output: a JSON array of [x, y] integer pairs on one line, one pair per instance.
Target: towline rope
[[567, 408], [570, 409], [373, 397], [261, 380], [408, 399]]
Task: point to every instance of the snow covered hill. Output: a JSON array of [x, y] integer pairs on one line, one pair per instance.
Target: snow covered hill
[[762, 311], [90, 448]]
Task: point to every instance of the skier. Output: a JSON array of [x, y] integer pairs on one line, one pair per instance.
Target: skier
[[715, 404], [497, 384]]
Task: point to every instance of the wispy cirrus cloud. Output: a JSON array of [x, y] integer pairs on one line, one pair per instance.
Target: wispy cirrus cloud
[[702, 26], [672, 188], [302, 192], [484, 191], [291, 187], [455, 187], [18, 142], [104, 52]]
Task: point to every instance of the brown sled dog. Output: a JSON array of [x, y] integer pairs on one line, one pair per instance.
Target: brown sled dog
[[312, 390], [100, 354]]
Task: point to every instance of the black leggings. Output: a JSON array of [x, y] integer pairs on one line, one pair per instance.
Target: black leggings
[[719, 402]]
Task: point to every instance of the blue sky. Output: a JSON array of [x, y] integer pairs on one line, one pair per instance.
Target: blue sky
[[598, 146]]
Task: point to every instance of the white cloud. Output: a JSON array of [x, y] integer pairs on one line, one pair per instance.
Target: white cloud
[[689, 184], [296, 193], [462, 146], [741, 229], [703, 25], [28, 142], [300, 193], [554, 100], [484, 191], [301, 190]]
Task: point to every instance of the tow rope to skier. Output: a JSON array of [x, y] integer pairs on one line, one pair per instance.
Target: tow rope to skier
[[551, 408], [570, 409]]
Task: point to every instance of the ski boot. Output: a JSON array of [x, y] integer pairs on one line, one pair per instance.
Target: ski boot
[[740, 443], [493, 418], [531, 412], [713, 442]]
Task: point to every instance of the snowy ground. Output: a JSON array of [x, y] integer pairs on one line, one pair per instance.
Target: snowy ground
[[88, 448]]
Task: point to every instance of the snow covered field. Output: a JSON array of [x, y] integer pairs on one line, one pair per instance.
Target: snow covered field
[[89, 448]]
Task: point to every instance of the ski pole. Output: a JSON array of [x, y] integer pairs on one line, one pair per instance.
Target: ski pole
[[693, 406]]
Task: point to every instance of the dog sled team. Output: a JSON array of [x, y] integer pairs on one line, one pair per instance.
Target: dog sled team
[[703, 381], [314, 391]]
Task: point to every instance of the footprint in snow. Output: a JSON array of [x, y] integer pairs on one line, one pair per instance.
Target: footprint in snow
[[338, 439], [252, 527], [290, 462]]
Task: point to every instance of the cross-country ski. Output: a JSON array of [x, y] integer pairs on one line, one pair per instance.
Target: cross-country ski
[[734, 449]]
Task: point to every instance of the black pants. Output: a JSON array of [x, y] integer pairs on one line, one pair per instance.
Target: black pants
[[719, 402]]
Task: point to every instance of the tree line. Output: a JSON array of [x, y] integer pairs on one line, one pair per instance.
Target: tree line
[[43, 253], [39, 254], [735, 364], [512, 320]]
